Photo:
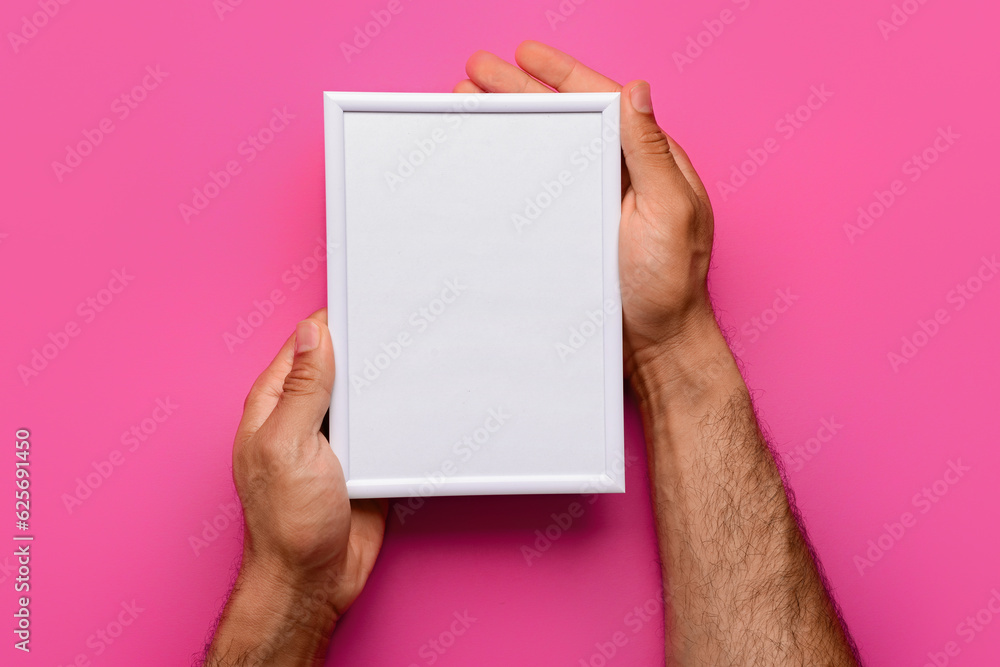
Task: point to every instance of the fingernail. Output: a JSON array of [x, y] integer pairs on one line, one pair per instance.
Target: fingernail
[[641, 99], [306, 336]]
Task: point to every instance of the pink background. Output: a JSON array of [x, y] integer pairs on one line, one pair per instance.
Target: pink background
[[825, 357]]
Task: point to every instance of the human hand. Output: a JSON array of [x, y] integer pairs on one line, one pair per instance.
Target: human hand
[[707, 454], [307, 549], [665, 242]]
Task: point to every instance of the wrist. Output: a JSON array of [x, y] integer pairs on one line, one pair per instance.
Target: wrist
[[690, 370], [275, 616], [680, 387], [308, 598]]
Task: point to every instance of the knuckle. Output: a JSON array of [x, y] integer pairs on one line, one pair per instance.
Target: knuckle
[[302, 380], [254, 390], [252, 484], [258, 477], [267, 455], [685, 208], [651, 139], [262, 386]]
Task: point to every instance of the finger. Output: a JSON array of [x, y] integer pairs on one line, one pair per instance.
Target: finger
[[642, 128], [684, 164], [679, 157], [466, 86], [377, 508], [568, 75], [266, 390], [495, 75], [560, 70], [651, 162], [305, 392]]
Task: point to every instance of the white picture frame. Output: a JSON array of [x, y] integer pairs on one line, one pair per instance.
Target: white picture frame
[[438, 397]]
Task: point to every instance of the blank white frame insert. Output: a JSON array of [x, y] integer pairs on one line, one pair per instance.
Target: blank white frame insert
[[473, 292]]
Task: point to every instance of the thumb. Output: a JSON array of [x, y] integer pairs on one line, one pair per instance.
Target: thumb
[[305, 394], [651, 163]]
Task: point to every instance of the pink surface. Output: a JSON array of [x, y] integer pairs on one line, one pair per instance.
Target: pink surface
[[863, 434]]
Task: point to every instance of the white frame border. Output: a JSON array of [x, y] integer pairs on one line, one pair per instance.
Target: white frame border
[[612, 479]]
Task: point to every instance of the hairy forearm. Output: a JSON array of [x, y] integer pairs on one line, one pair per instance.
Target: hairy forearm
[[272, 619], [742, 583]]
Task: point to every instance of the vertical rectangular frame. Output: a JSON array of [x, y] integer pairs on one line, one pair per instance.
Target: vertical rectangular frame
[[336, 104]]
